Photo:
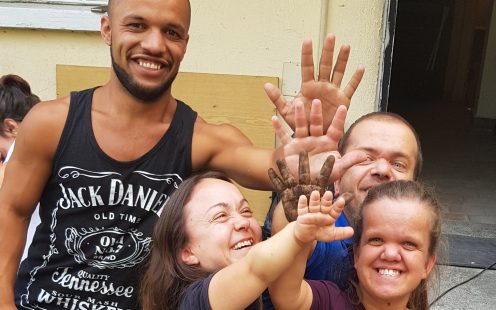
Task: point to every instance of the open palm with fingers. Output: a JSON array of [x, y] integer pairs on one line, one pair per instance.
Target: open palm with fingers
[[291, 190], [327, 86], [311, 156], [317, 215]]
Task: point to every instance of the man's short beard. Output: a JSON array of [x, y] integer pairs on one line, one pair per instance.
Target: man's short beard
[[136, 90]]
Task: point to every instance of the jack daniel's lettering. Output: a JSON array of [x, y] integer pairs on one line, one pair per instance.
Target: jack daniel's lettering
[[120, 194]]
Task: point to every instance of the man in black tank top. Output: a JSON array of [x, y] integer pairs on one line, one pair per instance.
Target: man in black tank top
[[103, 162]]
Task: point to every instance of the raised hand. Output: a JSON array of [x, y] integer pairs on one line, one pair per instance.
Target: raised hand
[[327, 87], [310, 137], [316, 218], [291, 190], [309, 133]]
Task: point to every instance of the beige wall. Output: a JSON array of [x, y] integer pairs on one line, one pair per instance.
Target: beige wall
[[33, 55], [487, 99], [234, 37], [359, 23]]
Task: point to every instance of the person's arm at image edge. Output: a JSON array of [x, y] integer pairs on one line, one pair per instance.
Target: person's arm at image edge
[[25, 178]]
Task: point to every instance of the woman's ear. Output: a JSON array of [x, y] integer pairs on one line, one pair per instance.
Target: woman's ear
[[188, 257], [10, 127], [431, 261]]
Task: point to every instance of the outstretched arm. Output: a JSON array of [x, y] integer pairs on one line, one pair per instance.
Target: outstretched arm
[[25, 177], [327, 86], [290, 291], [238, 285], [224, 148]]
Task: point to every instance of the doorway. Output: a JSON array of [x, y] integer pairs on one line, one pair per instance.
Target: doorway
[[438, 65]]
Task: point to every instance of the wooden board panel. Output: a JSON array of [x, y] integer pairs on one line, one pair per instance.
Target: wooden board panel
[[218, 98]]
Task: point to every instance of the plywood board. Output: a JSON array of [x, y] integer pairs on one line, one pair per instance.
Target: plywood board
[[218, 98]]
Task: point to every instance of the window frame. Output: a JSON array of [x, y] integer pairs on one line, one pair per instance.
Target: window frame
[[73, 15]]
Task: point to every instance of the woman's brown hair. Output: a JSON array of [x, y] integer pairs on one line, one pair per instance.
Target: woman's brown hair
[[167, 277], [407, 190]]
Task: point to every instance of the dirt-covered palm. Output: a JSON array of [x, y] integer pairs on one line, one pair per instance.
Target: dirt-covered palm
[[327, 86], [291, 190]]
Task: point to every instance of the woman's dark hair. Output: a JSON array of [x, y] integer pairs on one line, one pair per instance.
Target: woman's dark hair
[[407, 190], [167, 276], [16, 98]]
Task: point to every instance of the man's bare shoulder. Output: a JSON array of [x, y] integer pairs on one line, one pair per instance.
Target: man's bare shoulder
[[43, 125], [54, 107], [211, 140], [51, 113]]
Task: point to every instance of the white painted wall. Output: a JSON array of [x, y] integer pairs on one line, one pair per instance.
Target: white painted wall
[[486, 107], [234, 37]]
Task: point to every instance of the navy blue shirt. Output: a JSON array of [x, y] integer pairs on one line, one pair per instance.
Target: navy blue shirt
[[332, 261]]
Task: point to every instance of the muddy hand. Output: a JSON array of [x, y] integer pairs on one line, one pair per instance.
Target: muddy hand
[[291, 190]]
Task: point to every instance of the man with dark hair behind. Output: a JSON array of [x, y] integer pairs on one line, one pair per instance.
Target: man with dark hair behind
[[104, 161]]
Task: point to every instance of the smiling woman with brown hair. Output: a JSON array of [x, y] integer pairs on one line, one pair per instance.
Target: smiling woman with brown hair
[[207, 253], [396, 238]]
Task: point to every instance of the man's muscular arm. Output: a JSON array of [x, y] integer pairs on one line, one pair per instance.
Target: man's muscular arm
[[25, 178], [225, 148], [218, 147]]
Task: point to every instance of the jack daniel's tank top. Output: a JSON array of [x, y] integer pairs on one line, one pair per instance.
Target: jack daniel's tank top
[[98, 215]]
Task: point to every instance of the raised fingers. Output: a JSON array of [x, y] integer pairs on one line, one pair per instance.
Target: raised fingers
[[336, 129], [276, 181], [325, 65], [314, 203], [301, 124], [304, 168], [340, 67], [326, 202], [290, 205], [337, 207], [283, 136], [302, 205], [307, 73], [287, 177], [352, 85], [325, 172], [275, 96], [316, 119]]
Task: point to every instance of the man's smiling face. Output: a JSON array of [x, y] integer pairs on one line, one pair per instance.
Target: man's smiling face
[[148, 40], [391, 149]]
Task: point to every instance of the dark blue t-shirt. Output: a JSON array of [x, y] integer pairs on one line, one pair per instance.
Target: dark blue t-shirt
[[196, 297], [332, 261]]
